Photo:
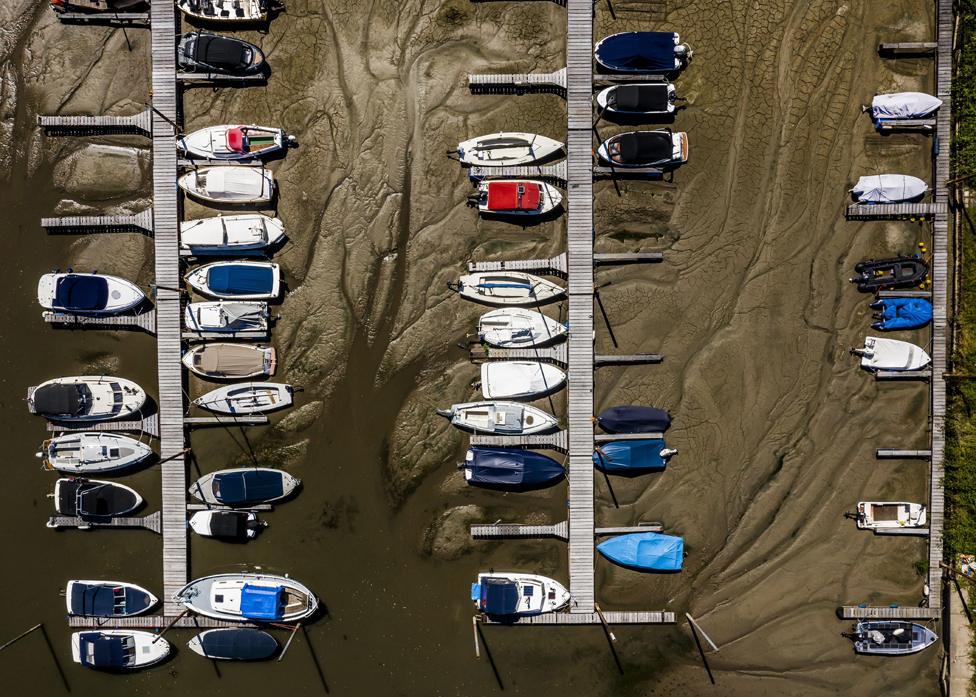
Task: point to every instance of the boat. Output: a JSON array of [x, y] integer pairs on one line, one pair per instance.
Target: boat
[[888, 188], [203, 52], [226, 11], [93, 498], [107, 599], [901, 313], [87, 294], [247, 398], [245, 597], [499, 418], [889, 354], [645, 551], [661, 148], [891, 637], [249, 233], [507, 149], [220, 361], [118, 649], [646, 99], [631, 418], [228, 317], [880, 274], [86, 398], [650, 52], [518, 328], [89, 452], [504, 197], [237, 280], [510, 468], [888, 515], [507, 288], [233, 644], [239, 526], [243, 487], [229, 185], [633, 456], [901, 106], [520, 380], [234, 142], [510, 594], [97, 6]]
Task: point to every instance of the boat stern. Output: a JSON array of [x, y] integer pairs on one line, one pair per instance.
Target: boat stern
[[46, 288], [679, 145]]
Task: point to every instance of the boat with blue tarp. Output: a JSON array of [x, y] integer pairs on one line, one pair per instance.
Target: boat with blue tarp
[[632, 418], [649, 52], [645, 551], [901, 313], [633, 456], [510, 468], [243, 597], [510, 595]]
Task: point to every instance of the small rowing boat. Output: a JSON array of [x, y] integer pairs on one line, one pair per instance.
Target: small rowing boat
[[645, 551], [888, 188], [520, 380], [889, 515], [633, 456]]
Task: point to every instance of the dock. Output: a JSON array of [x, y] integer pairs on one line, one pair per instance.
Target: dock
[[228, 420], [555, 172], [75, 224], [895, 211], [891, 612], [146, 321], [152, 622], [137, 124], [518, 83], [908, 48], [149, 522], [117, 19], [894, 454], [578, 617]]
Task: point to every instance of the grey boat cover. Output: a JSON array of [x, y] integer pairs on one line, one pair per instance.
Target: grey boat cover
[[105, 651], [888, 188], [238, 644], [641, 98], [230, 524], [904, 105], [645, 147], [106, 600], [61, 400], [229, 359], [80, 497]]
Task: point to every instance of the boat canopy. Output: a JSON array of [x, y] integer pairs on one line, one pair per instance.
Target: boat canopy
[[242, 644], [235, 139], [499, 596], [60, 399], [228, 358], [903, 313], [104, 651], [645, 147], [634, 419], [76, 292], [631, 455], [645, 551], [103, 600], [231, 524], [638, 51], [241, 181], [904, 105], [241, 279], [888, 188], [262, 602], [221, 52], [641, 97], [511, 466], [241, 487], [513, 196]]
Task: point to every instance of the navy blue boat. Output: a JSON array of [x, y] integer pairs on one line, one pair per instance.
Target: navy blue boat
[[244, 486], [510, 468], [654, 52], [632, 456], [634, 419], [645, 551], [901, 313], [233, 644], [107, 599]]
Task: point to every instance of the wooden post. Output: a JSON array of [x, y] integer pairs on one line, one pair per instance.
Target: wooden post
[[477, 646], [606, 625], [170, 625], [21, 636], [294, 631], [696, 625]]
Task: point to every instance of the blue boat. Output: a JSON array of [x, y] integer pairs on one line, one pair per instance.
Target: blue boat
[[238, 280], [634, 419], [645, 551], [632, 456], [510, 468], [901, 313], [244, 486], [655, 52]]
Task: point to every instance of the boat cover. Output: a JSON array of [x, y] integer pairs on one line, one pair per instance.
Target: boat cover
[[638, 51], [76, 292], [902, 313], [888, 188], [234, 359], [60, 400], [232, 524], [645, 147], [904, 105], [106, 651], [235, 140], [85, 498], [240, 644], [242, 487], [240, 279], [242, 311], [641, 97], [513, 196], [221, 52], [499, 596], [262, 602], [511, 467], [102, 600], [634, 419], [241, 181], [645, 551], [631, 455]]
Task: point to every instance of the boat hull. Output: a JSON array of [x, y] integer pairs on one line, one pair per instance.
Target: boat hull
[[507, 149], [520, 380], [201, 280], [245, 361], [149, 648], [247, 398], [94, 452], [203, 488], [213, 143], [508, 288], [500, 418], [545, 197], [250, 233], [251, 186], [603, 101], [195, 596], [509, 595], [105, 404], [227, 317], [245, 12], [519, 328], [144, 601], [231, 644]]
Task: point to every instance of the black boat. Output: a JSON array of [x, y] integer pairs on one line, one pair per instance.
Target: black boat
[[632, 418], [91, 498], [510, 468], [203, 52], [233, 644], [238, 526], [662, 148], [880, 274]]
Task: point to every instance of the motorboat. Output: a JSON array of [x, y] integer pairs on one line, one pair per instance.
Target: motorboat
[[203, 52], [891, 637], [645, 551], [87, 294], [237, 526], [507, 149], [226, 11], [499, 418], [516, 197], [888, 188], [633, 418], [118, 649], [229, 185], [249, 233], [225, 316], [902, 106], [88, 452], [243, 487], [662, 148], [107, 599], [520, 380], [644, 99], [510, 594], [233, 644], [880, 274], [888, 515], [515, 327], [508, 288], [649, 52], [510, 468], [93, 498], [86, 398], [901, 313], [633, 456], [97, 6], [220, 361], [237, 280], [248, 597], [890, 354], [234, 142], [247, 398]]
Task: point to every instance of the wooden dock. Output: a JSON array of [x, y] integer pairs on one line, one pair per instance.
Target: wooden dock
[[146, 321], [514, 530], [153, 622], [227, 420], [926, 125], [518, 83], [924, 374], [895, 454], [190, 335], [904, 294], [74, 224], [891, 612], [557, 441], [117, 19], [149, 522], [200, 78], [894, 211], [555, 172], [141, 124], [908, 48], [575, 616], [556, 266]]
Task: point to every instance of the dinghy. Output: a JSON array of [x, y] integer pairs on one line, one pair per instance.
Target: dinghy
[[888, 515], [229, 185], [234, 142], [507, 149], [219, 361], [889, 354], [93, 452], [238, 526], [86, 398], [250, 233], [520, 380], [880, 274], [237, 280], [230, 644], [646, 99], [243, 487], [888, 188], [107, 599], [203, 52], [118, 649], [97, 6], [247, 398], [93, 498], [227, 316], [518, 328], [651, 52], [510, 468], [499, 418], [507, 288], [903, 106], [630, 418], [226, 11], [246, 597], [509, 594], [504, 197], [633, 456], [662, 148], [87, 294], [645, 551], [901, 313], [891, 637]]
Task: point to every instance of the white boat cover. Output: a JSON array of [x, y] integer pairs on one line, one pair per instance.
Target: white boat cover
[[888, 188], [508, 379], [904, 105], [888, 354], [242, 181]]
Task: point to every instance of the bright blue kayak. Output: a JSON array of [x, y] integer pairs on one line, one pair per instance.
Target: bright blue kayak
[[632, 456], [645, 551]]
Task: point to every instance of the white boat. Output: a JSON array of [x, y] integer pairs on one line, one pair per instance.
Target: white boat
[[499, 418], [891, 637], [889, 354], [885, 515], [520, 379], [244, 597], [508, 288], [507, 149], [652, 98], [226, 316], [237, 280], [89, 294], [118, 649], [226, 11], [221, 361], [86, 398], [516, 327], [107, 599], [505, 197], [231, 234], [234, 142], [247, 398], [888, 188], [90, 452], [903, 105], [244, 486], [229, 184], [514, 594], [661, 148], [229, 525]]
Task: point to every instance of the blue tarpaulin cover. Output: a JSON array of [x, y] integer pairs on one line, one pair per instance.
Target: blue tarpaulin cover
[[634, 419], [262, 602], [248, 487], [902, 313], [511, 467], [631, 455], [81, 293], [236, 279], [645, 551], [105, 600], [499, 596], [638, 52], [106, 651]]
